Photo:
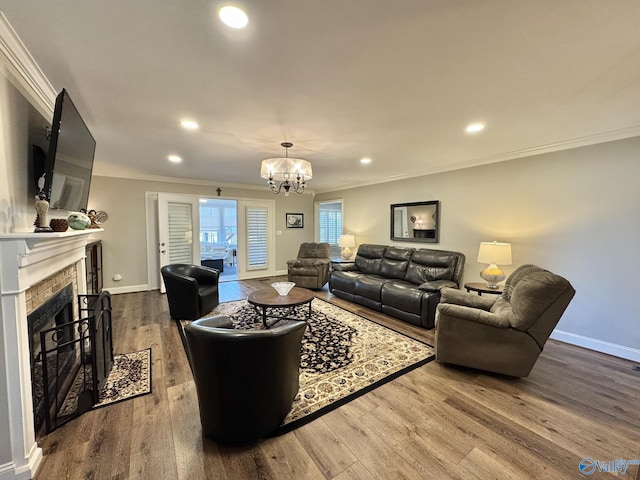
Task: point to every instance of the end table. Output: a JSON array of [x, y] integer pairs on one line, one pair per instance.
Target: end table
[[483, 288]]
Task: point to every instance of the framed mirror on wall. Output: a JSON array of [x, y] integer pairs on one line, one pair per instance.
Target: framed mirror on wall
[[416, 222]]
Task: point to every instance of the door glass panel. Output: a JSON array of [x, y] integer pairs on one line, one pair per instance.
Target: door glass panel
[[180, 233], [257, 255]]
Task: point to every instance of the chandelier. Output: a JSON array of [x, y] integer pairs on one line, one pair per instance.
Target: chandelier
[[286, 173]]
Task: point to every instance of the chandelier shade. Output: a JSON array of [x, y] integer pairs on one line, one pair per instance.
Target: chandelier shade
[[284, 173]]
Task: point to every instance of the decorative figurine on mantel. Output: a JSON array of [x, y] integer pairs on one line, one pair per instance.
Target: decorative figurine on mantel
[[42, 207], [96, 217], [78, 221], [92, 214]]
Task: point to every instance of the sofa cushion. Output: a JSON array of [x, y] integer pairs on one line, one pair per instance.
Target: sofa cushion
[[343, 281], [370, 286], [305, 271], [535, 294], [394, 262], [403, 296], [369, 258], [430, 265]]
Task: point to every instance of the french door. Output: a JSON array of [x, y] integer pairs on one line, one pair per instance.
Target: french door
[[179, 234], [178, 230]]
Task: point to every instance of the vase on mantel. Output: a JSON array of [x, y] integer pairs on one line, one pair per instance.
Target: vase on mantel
[[42, 207]]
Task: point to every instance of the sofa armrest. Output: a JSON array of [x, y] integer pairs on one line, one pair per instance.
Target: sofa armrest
[[472, 315], [346, 267], [437, 285], [205, 275], [458, 297]]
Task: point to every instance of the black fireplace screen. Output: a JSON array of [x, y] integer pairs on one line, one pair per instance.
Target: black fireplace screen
[[70, 359]]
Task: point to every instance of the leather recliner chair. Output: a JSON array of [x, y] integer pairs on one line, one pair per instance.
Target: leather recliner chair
[[246, 380], [192, 290], [504, 334], [311, 268]]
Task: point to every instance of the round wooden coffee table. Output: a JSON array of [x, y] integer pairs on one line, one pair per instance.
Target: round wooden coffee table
[[267, 298]]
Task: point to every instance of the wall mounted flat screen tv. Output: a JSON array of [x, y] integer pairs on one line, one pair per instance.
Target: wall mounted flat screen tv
[[70, 158]]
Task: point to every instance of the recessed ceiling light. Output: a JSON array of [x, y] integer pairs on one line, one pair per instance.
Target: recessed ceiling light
[[189, 125], [174, 158], [233, 17], [365, 161], [474, 128]]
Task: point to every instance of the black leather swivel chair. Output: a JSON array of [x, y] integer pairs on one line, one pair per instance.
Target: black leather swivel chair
[[192, 290], [246, 380]]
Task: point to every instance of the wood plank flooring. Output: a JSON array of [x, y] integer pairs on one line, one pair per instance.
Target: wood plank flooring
[[436, 422]]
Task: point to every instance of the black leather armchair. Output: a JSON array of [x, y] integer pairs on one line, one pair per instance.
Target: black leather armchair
[[246, 380], [192, 290]]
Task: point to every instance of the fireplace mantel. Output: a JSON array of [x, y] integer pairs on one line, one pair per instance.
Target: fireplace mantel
[[25, 260], [37, 255]]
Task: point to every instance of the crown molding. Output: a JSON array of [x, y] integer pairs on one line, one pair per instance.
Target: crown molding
[[24, 70], [586, 141], [190, 181]]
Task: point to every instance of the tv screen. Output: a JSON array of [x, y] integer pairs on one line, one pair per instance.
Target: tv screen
[[69, 159]]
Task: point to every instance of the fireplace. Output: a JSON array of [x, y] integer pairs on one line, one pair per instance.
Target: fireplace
[[33, 268], [70, 359], [55, 356]]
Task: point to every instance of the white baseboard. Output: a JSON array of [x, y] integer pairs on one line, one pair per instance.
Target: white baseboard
[[9, 471], [128, 289], [601, 346]]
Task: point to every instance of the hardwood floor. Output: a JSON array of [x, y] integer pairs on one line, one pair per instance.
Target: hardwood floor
[[436, 422]]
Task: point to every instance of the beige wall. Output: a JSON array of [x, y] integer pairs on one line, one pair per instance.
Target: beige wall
[[124, 238], [575, 212]]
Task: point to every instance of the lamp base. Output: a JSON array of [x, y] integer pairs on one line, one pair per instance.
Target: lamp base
[[492, 275], [346, 253]]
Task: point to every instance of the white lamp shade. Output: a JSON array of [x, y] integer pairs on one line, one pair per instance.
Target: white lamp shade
[[282, 169], [347, 241], [495, 253]]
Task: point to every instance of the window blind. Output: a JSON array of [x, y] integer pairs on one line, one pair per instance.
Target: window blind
[[180, 231], [330, 225], [256, 238]]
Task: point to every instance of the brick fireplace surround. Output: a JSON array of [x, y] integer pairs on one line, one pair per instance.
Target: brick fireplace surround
[[33, 267]]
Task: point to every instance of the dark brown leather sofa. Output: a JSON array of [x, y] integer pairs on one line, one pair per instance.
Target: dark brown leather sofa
[[402, 282], [246, 380]]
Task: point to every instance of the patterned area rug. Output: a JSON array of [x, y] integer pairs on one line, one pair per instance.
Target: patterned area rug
[[343, 356], [130, 377]]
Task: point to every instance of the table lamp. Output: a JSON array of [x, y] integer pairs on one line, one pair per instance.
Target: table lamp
[[494, 253], [347, 242]]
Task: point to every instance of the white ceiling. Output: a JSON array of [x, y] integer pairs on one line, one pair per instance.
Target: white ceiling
[[342, 79]]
